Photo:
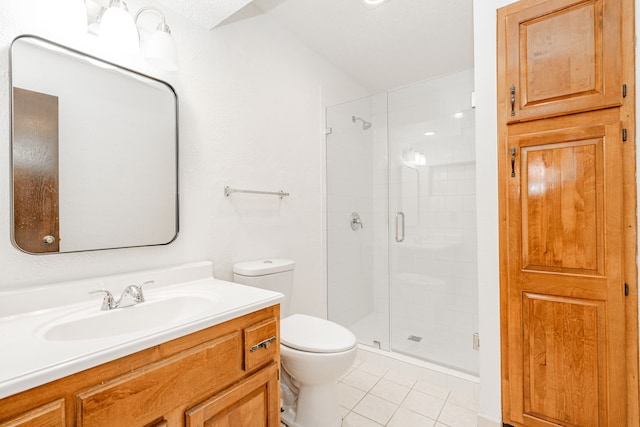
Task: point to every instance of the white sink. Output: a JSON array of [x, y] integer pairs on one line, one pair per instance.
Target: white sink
[[58, 330], [159, 312]]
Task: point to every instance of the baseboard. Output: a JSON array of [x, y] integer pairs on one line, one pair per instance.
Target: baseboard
[[486, 421]]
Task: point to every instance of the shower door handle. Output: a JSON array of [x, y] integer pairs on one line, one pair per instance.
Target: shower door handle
[[399, 237]]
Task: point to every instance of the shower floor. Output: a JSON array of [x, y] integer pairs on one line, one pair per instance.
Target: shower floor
[[436, 346]]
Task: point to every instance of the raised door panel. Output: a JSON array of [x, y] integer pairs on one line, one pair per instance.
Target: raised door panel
[[562, 56], [564, 359], [565, 289], [148, 394], [49, 415], [254, 402]]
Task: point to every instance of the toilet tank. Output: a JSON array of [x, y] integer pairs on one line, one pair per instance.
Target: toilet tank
[[272, 274]]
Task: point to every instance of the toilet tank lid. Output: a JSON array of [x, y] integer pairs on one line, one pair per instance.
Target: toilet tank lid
[[262, 267]]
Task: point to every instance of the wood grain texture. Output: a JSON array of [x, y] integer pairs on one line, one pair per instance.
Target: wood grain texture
[[565, 355], [247, 404], [562, 56], [568, 239], [49, 415], [35, 171], [628, 118], [111, 382], [138, 397], [256, 334]]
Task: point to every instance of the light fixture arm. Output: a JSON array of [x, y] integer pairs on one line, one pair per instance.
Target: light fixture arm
[[119, 3], [162, 26]]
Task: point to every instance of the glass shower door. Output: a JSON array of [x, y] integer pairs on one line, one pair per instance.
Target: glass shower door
[[432, 223], [357, 212]]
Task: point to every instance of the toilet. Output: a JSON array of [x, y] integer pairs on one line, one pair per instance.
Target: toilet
[[314, 352]]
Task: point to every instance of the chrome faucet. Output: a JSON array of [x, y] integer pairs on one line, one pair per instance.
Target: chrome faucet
[[131, 295]]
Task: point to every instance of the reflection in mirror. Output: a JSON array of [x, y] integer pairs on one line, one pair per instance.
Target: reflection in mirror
[[94, 152]]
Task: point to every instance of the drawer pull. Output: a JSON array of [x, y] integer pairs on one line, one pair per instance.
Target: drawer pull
[[263, 344]]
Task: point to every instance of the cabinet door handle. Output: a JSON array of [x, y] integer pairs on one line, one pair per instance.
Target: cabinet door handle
[[512, 91], [513, 161], [262, 344], [399, 237]]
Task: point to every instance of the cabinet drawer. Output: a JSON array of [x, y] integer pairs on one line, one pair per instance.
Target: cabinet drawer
[[49, 415], [261, 343], [147, 394], [253, 402]]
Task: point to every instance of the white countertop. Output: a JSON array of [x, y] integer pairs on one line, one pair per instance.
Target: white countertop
[[30, 359]]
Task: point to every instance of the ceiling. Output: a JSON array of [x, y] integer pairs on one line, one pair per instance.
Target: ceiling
[[384, 47]]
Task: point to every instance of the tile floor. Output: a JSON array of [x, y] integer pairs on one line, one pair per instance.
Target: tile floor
[[373, 396]]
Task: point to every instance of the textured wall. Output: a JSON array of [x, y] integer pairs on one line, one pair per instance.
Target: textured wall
[[251, 116]]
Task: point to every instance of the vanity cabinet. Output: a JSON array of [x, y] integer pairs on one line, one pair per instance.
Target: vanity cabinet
[[226, 372]]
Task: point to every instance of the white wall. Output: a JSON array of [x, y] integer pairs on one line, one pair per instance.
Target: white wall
[[484, 21], [251, 116]]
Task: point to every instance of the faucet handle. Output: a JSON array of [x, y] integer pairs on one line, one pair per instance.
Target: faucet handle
[[148, 282], [140, 295], [107, 302]]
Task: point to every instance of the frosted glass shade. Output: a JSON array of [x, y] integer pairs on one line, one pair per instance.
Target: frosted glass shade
[[118, 32], [161, 51]]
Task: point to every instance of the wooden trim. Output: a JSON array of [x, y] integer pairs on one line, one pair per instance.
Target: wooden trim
[[503, 243], [630, 233]]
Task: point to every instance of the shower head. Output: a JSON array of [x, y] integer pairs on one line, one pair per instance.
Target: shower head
[[365, 124]]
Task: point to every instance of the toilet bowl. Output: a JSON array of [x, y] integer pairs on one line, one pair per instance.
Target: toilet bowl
[[314, 352]]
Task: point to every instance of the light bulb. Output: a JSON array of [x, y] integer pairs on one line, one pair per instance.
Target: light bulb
[[161, 50], [118, 32]]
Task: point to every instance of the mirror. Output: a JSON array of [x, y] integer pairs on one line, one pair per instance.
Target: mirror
[[94, 152]]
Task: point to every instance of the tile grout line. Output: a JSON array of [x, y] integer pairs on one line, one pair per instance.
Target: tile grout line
[[411, 388], [366, 393]]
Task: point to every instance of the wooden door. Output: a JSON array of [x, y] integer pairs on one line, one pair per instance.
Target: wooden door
[[566, 294], [35, 171], [562, 56]]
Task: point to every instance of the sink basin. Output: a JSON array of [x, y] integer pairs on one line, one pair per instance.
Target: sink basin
[[161, 312]]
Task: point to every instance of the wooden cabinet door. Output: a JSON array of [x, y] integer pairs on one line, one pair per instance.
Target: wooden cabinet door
[[150, 395], [565, 292], [561, 56], [49, 415], [254, 402]]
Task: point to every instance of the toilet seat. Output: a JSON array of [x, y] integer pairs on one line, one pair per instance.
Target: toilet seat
[[315, 335]]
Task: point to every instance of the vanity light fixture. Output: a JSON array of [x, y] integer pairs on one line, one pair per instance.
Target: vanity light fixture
[[118, 32], [160, 49]]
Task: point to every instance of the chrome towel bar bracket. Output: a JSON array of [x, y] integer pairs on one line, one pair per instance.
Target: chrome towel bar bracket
[[228, 191]]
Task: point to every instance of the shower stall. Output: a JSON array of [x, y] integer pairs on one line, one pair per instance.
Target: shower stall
[[401, 221]]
